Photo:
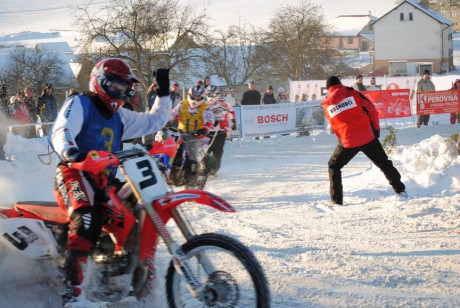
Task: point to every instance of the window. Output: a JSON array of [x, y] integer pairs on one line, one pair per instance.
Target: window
[[443, 13], [453, 14], [401, 16], [432, 1], [350, 40], [453, 2], [411, 16]]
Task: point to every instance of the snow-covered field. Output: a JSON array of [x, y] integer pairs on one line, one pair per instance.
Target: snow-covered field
[[377, 251]]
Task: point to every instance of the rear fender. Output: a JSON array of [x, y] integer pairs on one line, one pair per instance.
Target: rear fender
[[49, 211], [170, 201], [28, 237]]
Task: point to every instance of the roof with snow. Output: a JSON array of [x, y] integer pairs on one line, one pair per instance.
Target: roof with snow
[[432, 13], [52, 42], [350, 25]]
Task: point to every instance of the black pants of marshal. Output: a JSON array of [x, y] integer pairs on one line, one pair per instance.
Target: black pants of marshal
[[217, 148], [375, 152]]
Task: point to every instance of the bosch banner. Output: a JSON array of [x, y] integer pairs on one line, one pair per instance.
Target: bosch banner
[[262, 120]]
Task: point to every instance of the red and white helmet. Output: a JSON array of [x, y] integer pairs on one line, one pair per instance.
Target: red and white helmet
[[212, 94], [111, 80], [196, 96]]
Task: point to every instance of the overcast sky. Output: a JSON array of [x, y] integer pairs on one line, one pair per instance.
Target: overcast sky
[[41, 15]]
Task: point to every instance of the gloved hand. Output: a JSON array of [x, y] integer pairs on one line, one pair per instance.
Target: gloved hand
[[376, 133], [161, 77], [202, 131], [216, 123], [73, 155], [233, 124]]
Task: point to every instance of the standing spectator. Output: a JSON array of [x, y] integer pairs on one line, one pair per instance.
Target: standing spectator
[[424, 85], [355, 121], [358, 86], [229, 97], [176, 98], [175, 95], [73, 92], [134, 100], [269, 97], [151, 96], [207, 82], [281, 97], [455, 116], [224, 123], [19, 112], [4, 120], [251, 96], [372, 86], [31, 104], [47, 107]]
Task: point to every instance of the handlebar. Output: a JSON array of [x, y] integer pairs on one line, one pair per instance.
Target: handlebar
[[96, 161]]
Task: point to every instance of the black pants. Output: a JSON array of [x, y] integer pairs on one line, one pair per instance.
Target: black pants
[[423, 119], [375, 152], [3, 132], [217, 147]]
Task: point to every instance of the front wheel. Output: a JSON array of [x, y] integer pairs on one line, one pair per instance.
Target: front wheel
[[228, 270]]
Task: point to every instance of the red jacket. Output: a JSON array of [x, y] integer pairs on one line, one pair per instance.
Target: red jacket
[[21, 113], [352, 117]]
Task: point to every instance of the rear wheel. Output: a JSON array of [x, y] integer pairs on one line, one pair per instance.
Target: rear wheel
[[228, 270]]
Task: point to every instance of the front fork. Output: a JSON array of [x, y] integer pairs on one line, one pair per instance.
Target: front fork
[[179, 258]]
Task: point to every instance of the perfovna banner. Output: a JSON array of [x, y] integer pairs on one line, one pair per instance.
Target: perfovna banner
[[437, 102]]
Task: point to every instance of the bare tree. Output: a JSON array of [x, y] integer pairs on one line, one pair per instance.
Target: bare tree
[[234, 55], [146, 33], [296, 42], [32, 67]]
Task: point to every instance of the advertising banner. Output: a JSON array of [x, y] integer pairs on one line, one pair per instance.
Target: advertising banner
[[390, 103], [436, 102], [305, 90], [262, 120]]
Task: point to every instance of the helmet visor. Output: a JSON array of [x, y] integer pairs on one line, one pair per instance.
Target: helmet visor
[[117, 89]]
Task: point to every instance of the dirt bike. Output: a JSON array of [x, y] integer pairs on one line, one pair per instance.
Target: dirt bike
[[208, 270], [182, 155]]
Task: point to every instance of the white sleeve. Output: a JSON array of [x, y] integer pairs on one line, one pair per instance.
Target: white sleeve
[[67, 126], [136, 124]]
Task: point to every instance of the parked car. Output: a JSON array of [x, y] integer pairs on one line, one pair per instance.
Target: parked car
[[376, 73]]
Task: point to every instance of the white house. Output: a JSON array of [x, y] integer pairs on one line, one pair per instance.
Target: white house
[[411, 38]]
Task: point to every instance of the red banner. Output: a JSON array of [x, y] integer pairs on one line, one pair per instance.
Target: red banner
[[436, 102], [390, 103]]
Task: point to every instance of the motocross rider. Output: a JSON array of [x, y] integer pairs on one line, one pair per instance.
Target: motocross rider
[[96, 121], [193, 115], [224, 123]]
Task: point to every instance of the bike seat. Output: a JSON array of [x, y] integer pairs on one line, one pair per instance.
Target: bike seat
[[46, 210]]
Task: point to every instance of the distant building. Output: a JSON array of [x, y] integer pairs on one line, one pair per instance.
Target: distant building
[[352, 32], [447, 8], [411, 38]]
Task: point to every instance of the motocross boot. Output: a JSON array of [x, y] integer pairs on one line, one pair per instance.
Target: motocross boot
[[74, 267]]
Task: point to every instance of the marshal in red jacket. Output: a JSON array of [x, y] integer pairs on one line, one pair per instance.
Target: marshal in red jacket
[[352, 116]]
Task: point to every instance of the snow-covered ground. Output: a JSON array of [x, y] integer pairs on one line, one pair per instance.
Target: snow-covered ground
[[377, 251]]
